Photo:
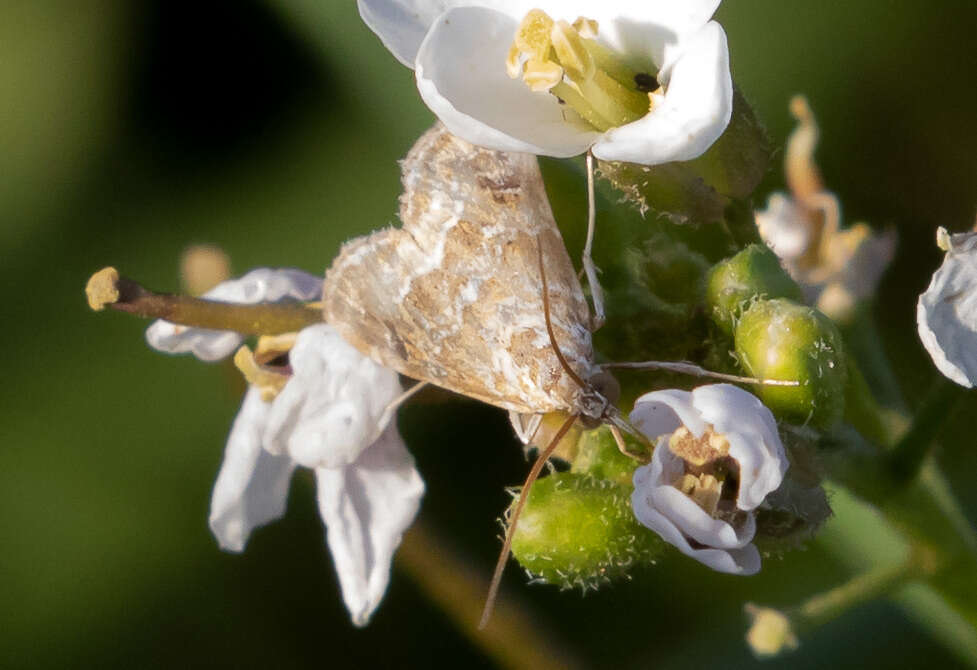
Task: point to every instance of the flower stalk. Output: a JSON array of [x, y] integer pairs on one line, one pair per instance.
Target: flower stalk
[[106, 288]]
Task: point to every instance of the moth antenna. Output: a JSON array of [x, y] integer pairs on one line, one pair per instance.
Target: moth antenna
[[544, 456], [549, 324], [694, 370]]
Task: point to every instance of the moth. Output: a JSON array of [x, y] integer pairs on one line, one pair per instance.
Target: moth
[[455, 297]]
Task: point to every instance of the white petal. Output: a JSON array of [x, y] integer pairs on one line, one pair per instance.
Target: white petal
[[661, 412], [329, 411], [754, 442], [947, 313], [461, 76], [784, 227], [366, 507], [260, 285], [687, 516], [695, 111], [252, 486], [401, 25], [744, 560], [647, 30]]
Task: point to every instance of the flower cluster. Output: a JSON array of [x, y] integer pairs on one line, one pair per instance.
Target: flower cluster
[[325, 409], [644, 83]]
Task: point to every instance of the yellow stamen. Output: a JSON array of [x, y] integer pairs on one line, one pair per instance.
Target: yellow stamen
[[566, 60], [103, 288], [704, 490], [533, 35], [270, 382], [571, 52], [542, 75], [587, 28]]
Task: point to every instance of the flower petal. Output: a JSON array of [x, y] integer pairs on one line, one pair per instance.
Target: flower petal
[[946, 313], [661, 412], [366, 507], [744, 560], [260, 285], [784, 227], [252, 486], [461, 76], [647, 30], [695, 111], [329, 410], [754, 442]]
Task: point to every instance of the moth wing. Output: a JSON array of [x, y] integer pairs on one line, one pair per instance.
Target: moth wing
[[454, 297]]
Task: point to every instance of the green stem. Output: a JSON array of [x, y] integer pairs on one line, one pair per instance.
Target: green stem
[[906, 458], [862, 588], [107, 289]]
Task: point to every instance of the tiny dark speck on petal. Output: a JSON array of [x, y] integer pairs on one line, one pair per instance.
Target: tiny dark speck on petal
[[646, 83]]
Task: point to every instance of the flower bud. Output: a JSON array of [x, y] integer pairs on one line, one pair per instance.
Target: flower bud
[[598, 456], [779, 339], [734, 283], [576, 530], [771, 632], [699, 190]]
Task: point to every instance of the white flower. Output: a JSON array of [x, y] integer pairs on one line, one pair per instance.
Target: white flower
[[947, 311], [718, 456], [260, 285], [329, 416], [326, 417], [592, 84], [835, 268]]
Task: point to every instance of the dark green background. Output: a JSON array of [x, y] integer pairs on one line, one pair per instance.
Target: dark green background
[[129, 130]]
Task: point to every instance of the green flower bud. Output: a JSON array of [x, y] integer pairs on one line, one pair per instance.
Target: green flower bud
[[577, 530], [779, 339], [598, 456], [733, 284]]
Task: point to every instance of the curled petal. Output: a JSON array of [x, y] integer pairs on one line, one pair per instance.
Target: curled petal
[[754, 442], [680, 525], [366, 508], [946, 313], [661, 412], [252, 486], [694, 112], [329, 411], [260, 285]]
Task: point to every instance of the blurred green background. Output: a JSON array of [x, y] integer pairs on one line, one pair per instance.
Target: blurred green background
[[129, 130]]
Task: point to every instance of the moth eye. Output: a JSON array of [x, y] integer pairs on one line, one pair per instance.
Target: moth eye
[[605, 383]]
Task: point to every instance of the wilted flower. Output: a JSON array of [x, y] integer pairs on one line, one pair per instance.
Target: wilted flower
[[835, 268], [639, 82], [717, 457], [947, 311], [325, 410]]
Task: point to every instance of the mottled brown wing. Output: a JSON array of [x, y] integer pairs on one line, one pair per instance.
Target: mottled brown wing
[[454, 297]]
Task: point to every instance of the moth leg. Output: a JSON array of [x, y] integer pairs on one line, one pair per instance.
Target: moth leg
[[591, 270], [525, 426], [391, 409]]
